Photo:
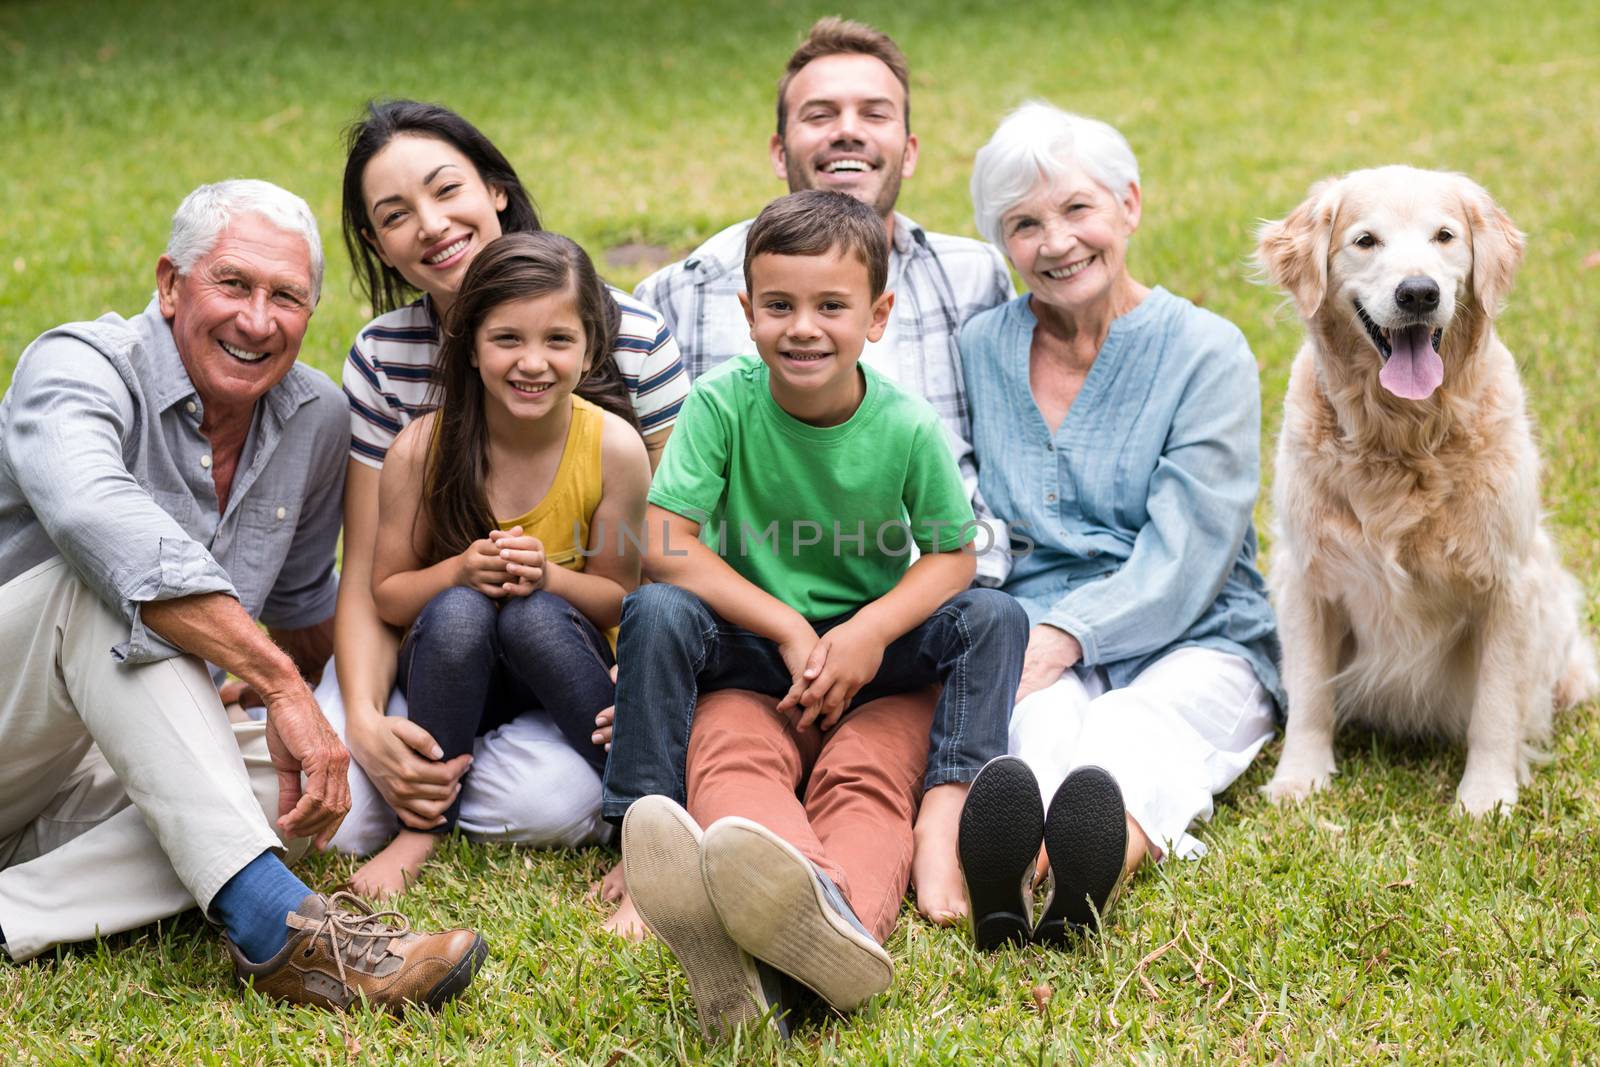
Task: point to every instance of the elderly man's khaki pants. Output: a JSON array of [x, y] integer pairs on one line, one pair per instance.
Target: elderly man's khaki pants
[[123, 795]]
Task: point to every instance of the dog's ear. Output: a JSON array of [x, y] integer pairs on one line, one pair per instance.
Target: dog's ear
[[1497, 247], [1293, 252]]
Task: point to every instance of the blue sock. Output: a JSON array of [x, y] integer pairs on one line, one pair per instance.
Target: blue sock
[[253, 904]]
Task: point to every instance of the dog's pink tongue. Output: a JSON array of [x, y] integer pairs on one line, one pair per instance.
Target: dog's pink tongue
[[1414, 369]]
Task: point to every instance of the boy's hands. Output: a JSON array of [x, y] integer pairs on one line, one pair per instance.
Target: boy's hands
[[523, 557], [797, 651], [844, 659], [506, 563]]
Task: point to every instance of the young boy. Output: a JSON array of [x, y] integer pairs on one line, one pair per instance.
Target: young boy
[[809, 476]]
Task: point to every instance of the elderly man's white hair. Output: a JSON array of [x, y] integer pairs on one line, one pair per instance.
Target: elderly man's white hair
[[206, 212], [1039, 140]]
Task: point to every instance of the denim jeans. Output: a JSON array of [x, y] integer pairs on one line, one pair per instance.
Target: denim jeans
[[472, 663], [673, 648]]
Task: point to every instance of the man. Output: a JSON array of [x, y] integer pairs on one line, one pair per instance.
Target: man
[[844, 123], [165, 481]]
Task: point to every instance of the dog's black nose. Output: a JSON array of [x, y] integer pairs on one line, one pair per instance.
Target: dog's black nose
[[1417, 293]]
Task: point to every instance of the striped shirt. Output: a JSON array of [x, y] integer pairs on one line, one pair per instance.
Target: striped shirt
[[939, 282], [387, 374]]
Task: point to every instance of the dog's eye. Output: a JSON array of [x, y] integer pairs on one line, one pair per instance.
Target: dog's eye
[[1444, 236], [1366, 240]]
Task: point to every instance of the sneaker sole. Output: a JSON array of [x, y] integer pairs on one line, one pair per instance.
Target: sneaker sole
[[460, 976], [1002, 827], [1086, 837], [771, 903], [661, 850]]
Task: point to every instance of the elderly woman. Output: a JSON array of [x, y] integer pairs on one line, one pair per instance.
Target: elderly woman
[[1117, 430]]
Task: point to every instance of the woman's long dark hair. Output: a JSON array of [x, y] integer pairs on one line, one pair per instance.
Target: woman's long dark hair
[[513, 267], [384, 286]]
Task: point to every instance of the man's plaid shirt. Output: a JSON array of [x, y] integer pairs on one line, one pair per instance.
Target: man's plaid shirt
[[939, 281]]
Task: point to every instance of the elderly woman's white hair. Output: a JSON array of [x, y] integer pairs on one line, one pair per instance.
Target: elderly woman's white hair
[[206, 212], [1039, 140]]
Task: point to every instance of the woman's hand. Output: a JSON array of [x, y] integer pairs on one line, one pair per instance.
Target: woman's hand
[[480, 567], [402, 760], [1050, 653], [524, 561]]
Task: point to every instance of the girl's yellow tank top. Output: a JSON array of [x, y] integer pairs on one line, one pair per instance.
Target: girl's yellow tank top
[[561, 519]]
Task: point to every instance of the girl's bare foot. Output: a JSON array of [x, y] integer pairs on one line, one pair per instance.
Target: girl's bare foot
[[935, 863], [396, 868], [626, 922]]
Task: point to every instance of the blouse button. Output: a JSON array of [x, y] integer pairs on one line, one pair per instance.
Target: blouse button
[[282, 514], [190, 407], [205, 461], [1050, 498]]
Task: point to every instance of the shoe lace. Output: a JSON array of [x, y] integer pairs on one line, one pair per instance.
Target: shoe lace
[[355, 931]]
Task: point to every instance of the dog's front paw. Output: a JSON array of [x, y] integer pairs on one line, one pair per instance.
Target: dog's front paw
[[1296, 781], [1478, 795]]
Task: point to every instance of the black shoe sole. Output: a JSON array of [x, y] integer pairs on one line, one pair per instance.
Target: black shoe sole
[[460, 975], [1002, 824], [1086, 838]]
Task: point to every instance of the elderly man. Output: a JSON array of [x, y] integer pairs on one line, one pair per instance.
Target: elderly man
[[165, 482], [843, 123]]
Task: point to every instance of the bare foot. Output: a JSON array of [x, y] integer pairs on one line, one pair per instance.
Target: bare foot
[[626, 922], [396, 868], [614, 887], [935, 864], [1139, 847]]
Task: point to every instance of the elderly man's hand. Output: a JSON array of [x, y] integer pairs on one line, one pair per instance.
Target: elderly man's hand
[[300, 741], [1050, 653]]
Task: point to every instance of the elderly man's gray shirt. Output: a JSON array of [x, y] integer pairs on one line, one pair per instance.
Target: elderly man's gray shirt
[[102, 462]]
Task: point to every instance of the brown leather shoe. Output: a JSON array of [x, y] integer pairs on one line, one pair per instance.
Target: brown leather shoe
[[340, 950]]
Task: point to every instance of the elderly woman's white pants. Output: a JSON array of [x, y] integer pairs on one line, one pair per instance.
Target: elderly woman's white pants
[[526, 786], [1178, 734]]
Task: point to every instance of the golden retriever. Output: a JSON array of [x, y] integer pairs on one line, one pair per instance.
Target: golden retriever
[[1416, 589]]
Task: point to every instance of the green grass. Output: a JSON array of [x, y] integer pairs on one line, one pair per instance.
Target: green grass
[[1369, 925]]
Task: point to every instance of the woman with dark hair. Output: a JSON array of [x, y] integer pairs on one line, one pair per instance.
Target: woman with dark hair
[[424, 192], [508, 614]]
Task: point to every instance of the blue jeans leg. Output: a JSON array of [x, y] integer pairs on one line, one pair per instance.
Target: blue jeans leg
[[447, 670], [562, 661], [671, 649], [973, 644]]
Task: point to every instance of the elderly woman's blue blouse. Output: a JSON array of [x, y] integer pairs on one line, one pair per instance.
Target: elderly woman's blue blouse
[[1139, 507]]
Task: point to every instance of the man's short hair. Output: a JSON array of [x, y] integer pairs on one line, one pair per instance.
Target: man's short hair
[[834, 36], [206, 212], [814, 222]]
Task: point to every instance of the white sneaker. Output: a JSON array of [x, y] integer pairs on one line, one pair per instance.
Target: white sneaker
[[661, 853], [782, 910]]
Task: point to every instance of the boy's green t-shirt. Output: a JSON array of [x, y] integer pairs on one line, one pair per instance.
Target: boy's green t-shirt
[[820, 517]]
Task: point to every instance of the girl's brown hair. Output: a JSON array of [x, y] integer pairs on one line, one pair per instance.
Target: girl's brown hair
[[455, 502]]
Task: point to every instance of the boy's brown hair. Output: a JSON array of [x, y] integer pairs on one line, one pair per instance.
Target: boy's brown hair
[[834, 36], [814, 222]]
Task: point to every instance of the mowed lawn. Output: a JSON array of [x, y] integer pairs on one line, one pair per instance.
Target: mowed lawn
[[1371, 924]]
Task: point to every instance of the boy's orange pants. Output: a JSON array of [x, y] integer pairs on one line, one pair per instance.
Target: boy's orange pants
[[846, 798]]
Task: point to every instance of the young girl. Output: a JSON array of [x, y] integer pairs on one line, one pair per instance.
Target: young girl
[[501, 540], [424, 192]]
